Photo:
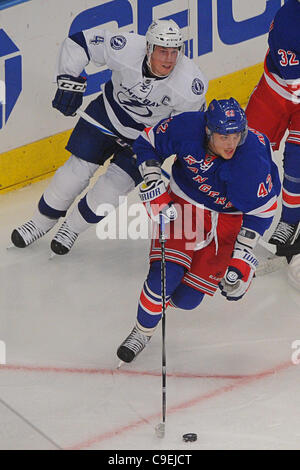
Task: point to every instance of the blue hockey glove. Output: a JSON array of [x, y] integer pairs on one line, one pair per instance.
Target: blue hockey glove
[[69, 95], [156, 199]]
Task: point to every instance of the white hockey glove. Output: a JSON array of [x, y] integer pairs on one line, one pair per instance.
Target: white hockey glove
[[150, 171], [242, 267], [69, 95], [156, 199]]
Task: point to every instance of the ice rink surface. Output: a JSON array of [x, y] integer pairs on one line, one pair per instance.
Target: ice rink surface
[[230, 378]]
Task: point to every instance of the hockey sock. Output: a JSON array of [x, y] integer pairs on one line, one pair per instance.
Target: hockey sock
[[186, 298], [106, 195], [150, 304], [76, 221], [48, 211], [44, 222], [67, 183], [86, 212]]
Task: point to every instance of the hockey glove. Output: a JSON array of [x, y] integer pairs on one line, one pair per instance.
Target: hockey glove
[[69, 95], [156, 199], [150, 171], [242, 267]]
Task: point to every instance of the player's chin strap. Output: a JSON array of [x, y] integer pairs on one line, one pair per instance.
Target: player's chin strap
[[148, 61], [154, 75]]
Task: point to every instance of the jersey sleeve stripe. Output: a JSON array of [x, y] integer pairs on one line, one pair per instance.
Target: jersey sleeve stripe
[[266, 209], [294, 137], [80, 40], [290, 199], [289, 90], [148, 135]]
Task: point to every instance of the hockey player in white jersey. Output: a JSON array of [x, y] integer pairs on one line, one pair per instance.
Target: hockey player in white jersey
[[151, 79]]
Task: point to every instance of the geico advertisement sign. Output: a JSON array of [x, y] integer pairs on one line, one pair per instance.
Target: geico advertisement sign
[[197, 23], [10, 76]]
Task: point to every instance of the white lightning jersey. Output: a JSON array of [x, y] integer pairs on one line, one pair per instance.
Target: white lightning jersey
[[132, 100]]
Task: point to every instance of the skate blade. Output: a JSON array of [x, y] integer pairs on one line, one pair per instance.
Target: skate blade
[[52, 255], [120, 364]]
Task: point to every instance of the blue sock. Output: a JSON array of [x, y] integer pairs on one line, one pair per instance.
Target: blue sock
[[186, 297], [150, 304]]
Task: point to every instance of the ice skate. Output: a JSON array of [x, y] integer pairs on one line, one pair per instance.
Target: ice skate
[[284, 234], [27, 234], [63, 240], [133, 345]]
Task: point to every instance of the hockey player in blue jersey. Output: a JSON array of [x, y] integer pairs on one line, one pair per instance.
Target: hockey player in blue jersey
[[274, 108], [151, 79], [224, 175]]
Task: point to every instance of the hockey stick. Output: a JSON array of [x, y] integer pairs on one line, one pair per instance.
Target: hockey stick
[[106, 131], [95, 123], [160, 428]]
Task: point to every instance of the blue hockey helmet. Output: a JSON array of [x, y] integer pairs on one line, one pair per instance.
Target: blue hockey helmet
[[226, 117]]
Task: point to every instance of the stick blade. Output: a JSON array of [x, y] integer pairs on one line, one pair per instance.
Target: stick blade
[[160, 430]]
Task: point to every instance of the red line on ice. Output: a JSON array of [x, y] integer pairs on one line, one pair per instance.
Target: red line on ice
[[74, 370], [240, 381], [184, 405]]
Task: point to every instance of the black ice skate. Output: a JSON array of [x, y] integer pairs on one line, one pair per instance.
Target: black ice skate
[[26, 234], [133, 345], [284, 234], [285, 238], [63, 240]]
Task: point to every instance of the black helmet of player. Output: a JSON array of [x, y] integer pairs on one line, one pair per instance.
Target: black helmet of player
[[164, 33]]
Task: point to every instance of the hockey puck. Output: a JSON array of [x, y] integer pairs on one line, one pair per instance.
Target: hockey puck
[[189, 437]]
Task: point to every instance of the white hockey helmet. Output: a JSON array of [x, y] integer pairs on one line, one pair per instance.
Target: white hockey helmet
[[165, 33]]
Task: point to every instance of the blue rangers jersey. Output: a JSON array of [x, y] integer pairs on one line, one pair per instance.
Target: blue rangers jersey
[[132, 99], [282, 64], [248, 183]]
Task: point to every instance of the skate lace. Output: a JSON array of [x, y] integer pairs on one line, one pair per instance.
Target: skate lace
[[30, 232], [283, 232], [66, 236], [136, 341]]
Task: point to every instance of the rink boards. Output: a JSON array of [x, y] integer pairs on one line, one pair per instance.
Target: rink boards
[[227, 39]]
